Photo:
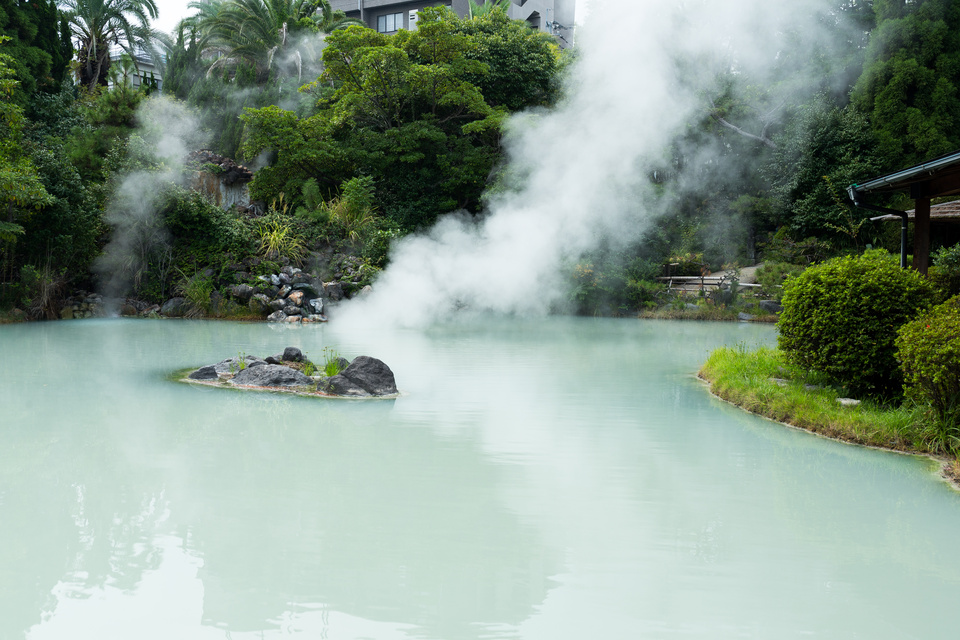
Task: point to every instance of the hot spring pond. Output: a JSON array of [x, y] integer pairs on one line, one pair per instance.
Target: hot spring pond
[[552, 479]]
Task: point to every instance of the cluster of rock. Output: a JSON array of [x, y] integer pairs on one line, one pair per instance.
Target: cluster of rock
[[228, 170], [83, 304], [291, 295], [364, 377], [288, 296]]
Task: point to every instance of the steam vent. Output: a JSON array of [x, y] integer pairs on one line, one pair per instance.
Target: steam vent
[[291, 371], [220, 178]]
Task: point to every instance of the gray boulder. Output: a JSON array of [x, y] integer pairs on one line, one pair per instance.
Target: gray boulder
[[309, 291], [341, 386], [770, 306], [292, 354], [333, 290], [292, 310], [317, 305], [278, 304], [259, 304], [235, 365], [370, 374], [241, 292], [208, 372], [277, 316], [174, 307], [271, 375]]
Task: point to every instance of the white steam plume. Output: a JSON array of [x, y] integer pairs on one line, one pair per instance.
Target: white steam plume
[[167, 132], [642, 77]]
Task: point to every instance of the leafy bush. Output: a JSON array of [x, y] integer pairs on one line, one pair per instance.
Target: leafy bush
[[772, 275], [841, 317], [945, 274], [928, 349]]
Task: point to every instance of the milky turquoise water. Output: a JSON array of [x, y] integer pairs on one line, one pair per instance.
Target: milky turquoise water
[[538, 479]]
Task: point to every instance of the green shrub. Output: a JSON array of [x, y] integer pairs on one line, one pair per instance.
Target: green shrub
[[945, 274], [928, 349], [772, 275], [841, 318]]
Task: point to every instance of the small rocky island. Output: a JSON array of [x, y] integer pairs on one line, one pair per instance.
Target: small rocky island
[[291, 371]]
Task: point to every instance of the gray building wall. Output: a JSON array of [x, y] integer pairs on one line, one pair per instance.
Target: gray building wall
[[551, 16]]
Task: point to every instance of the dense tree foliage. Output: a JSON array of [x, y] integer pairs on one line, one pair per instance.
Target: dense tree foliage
[[409, 110], [910, 86], [39, 45]]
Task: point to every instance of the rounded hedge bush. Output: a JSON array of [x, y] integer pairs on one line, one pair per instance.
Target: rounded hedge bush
[[928, 349], [841, 318]]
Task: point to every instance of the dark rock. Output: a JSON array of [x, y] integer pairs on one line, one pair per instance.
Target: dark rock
[[235, 365], [316, 305], [309, 291], [292, 310], [292, 354], [744, 317], [277, 316], [333, 290], [208, 372], [128, 310], [259, 304], [371, 374], [277, 359], [301, 279], [284, 290], [295, 297], [342, 386], [242, 292], [771, 306], [285, 279], [174, 307], [271, 375], [277, 304]]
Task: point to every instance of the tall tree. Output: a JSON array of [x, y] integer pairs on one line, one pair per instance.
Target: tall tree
[[99, 25], [261, 33], [38, 55], [910, 87]]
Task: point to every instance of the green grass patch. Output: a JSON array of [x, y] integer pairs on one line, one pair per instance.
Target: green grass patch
[[761, 382]]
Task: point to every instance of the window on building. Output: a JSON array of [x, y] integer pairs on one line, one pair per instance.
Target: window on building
[[390, 22]]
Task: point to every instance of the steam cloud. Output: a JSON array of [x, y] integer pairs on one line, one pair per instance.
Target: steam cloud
[[645, 71], [167, 132]]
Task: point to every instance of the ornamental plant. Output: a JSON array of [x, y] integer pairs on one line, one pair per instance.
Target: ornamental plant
[[928, 349], [841, 318]]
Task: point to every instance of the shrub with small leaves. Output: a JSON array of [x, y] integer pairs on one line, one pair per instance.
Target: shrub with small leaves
[[928, 349], [841, 318]]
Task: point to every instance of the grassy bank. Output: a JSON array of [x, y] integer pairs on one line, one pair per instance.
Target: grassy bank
[[761, 382]]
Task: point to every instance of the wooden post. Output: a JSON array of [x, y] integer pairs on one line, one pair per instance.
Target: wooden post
[[921, 235]]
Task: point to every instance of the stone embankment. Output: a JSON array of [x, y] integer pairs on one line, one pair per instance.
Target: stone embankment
[[291, 295], [291, 371]]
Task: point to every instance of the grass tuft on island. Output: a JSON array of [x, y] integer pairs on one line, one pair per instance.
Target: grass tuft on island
[[761, 382]]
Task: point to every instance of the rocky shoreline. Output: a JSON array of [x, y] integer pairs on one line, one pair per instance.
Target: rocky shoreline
[[291, 371], [290, 295]]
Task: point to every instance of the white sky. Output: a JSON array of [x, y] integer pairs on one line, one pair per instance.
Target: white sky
[[171, 11]]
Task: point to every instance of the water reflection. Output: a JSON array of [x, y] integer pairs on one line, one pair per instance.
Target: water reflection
[[559, 479]]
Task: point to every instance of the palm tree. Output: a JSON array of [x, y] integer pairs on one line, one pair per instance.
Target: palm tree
[[253, 32], [487, 7], [98, 25]]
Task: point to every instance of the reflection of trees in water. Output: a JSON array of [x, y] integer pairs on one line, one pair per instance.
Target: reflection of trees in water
[[72, 512], [371, 518], [289, 502]]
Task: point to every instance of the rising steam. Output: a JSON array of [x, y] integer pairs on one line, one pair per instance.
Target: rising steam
[[167, 131], [644, 74]]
